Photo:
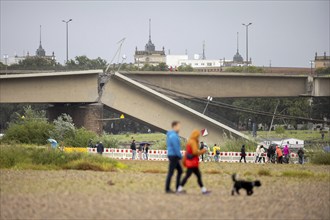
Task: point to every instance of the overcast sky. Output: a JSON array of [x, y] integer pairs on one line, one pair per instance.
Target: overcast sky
[[287, 33]]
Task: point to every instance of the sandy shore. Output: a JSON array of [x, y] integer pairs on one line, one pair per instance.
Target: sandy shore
[[138, 193]]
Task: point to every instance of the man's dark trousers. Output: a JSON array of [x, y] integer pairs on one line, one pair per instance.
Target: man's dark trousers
[[174, 164]]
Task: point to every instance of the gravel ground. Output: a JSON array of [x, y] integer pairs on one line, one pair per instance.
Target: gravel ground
[[138, 193]]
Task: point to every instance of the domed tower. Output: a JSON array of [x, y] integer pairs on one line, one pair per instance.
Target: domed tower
[[237, 57], [40, 51], [150, 46], [149, 55]]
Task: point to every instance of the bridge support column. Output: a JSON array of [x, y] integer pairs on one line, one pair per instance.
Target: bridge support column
[[86, 115]]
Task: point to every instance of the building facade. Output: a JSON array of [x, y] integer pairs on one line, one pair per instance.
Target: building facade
[[322, 61], [174, 60], [149, 55]]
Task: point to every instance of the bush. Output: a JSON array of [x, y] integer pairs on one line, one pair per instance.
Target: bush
[[109, 141], [9, 157], [321, 158], [63, 127], [29, 132], [92, 162], [80, 138], [45, 158], [53, 157]]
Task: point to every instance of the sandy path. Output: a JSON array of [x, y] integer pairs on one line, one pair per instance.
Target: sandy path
[[138, 195]]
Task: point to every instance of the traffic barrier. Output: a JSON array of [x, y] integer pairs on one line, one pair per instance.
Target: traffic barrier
[[161, 155]]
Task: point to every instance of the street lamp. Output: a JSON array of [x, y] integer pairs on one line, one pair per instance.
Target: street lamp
[[311, 62], [67, 39], [247, 43], [6, 61], [209, 99]]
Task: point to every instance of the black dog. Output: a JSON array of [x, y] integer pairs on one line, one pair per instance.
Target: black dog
[[247, 185]]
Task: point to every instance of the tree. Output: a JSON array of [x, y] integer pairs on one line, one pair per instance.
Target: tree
[[321, 107], [185, 68], [323, 71], [84, 63], [63, 127], [249, 69], [34, 63], [2, 66], [30, 128]]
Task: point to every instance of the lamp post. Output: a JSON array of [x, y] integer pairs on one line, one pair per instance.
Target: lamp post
[[247, 42], [312, 62], [209, 99], [67, 38], [6, 61]]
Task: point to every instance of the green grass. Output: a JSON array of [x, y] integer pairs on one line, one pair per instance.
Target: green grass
[[320, 158], [158, 141], [127, 138], [41, 158], [306, 135]]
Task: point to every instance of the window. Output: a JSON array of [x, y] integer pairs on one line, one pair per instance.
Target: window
[[209, 64], [196, 64], [202, 64]]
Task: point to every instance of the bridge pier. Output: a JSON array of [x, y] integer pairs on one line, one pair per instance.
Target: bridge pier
[[83, 115]]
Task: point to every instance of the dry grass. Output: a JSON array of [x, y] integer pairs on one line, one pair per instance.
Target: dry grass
[[298, 173], [264, 172], [153, 171], [213, 171], [137, 192]]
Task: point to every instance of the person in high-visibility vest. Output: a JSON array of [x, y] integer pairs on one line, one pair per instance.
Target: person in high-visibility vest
[[216, 153]]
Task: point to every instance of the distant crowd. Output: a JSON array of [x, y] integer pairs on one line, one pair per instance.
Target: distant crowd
[[272, 154]]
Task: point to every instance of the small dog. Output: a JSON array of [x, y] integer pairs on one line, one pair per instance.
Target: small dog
[[247, 185]]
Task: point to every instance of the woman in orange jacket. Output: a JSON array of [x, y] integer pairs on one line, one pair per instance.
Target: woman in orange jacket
[[279, 154], [191, 161]]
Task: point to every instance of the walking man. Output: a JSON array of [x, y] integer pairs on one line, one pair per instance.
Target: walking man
[[174, 156], [133, 148], [243, 154]]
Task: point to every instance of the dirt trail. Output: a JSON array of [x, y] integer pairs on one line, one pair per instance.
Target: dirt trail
[[138, 193]]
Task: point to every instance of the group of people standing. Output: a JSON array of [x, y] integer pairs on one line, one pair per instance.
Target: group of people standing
[[190, 160], [99, 146], [275, 154], [143, 150]]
